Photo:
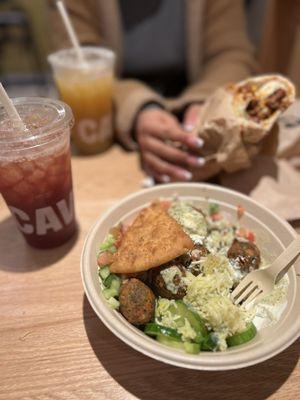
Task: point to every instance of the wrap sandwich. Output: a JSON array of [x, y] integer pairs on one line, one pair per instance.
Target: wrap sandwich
[[236, 121]]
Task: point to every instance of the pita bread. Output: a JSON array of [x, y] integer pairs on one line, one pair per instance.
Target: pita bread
[[153, 239]]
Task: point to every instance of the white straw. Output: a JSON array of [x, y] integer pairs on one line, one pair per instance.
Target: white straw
[[72, 35], [11, 109]]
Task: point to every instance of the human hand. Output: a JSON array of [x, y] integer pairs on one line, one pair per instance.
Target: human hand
[[158, 132], [210, 166], [191, 116]]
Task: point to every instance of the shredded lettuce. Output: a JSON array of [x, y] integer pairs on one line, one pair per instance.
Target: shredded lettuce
[[109, 244]]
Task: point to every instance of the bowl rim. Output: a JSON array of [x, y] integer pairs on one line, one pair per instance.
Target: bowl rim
[[157, 351]]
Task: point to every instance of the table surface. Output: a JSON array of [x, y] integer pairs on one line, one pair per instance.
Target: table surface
[[52, 345]]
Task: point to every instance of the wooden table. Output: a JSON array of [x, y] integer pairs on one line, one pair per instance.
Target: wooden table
[[52, 345]]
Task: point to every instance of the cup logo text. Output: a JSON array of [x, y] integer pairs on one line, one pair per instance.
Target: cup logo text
[[46, 218], [91, 131]]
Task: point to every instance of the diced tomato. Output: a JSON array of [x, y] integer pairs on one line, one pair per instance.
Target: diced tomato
[[240, 211], [216, 217], [105, 258], [246, 234], [251, 236]]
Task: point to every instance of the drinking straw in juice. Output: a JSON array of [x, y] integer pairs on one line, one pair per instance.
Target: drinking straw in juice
[[35, 171], [87, 88]]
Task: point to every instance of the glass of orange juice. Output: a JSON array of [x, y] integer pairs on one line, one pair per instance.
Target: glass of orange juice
[[87, 89]]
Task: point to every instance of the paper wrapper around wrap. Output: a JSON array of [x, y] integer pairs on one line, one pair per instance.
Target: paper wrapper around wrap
[[275, 181], [230, 142]]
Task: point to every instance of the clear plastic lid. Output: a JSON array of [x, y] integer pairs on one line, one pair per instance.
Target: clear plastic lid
[[44, 119], [95, 57]]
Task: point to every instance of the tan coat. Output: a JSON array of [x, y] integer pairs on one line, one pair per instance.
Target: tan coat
[[217, 52], [279, 50]]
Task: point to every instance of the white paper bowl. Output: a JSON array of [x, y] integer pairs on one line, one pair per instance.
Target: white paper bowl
[[273, 234]]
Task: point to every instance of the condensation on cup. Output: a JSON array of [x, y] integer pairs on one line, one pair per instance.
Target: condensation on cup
[[35, 171], [87, 89]]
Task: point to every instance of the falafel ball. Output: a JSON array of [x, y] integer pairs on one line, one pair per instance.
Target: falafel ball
[[195, 254], [246, 254], [198, 251], [137, 302], [160, 287]]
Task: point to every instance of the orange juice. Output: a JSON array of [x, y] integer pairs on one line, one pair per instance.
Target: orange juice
[[88, 91]]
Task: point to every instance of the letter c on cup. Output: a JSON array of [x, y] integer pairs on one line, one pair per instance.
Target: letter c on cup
[[22, 216]]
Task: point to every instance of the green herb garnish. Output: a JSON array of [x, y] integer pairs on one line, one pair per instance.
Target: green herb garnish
[[214, 208]]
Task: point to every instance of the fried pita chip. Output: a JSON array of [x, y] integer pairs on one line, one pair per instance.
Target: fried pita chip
[[153, 239]]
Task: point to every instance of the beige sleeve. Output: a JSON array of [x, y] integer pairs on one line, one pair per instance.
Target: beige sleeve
[[129, 96], [227, 53]]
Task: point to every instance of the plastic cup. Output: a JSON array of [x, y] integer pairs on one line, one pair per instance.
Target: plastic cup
[[87, 89], [35, 171]]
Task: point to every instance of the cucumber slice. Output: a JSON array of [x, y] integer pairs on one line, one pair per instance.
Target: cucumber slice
[[188, 347], [114, 303], [108, 281], [199, 325], [110, 292], [181, 309], [243, 337], [169, 342], [209, 343], [112, 281], [191, 348], [104, 272], [153, 329], [115, 283]]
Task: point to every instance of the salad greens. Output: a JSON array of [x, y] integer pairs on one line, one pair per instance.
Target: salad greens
[[109, 244]]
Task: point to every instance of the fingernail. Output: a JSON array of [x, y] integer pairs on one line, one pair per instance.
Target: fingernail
[[187, 175], [188, 127], [198, 142], [196, 161], [165, 179], [148, 182], [201, 161]]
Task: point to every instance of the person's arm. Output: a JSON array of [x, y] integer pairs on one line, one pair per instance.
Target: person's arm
[[227, 52]]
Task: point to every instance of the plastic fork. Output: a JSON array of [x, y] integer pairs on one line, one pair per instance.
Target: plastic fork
[[257, 284]]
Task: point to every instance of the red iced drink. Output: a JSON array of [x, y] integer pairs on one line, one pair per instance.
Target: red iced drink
[[35, 171]]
